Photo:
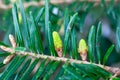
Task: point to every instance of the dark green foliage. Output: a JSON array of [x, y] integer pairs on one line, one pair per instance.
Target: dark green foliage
[[47, 68], [9, 67], [23, 69], [72, 72], [29, 70], [68, 32], [34, 34], [118, 38], [107, 54], [74, 43], [3, 44], [39, 71], [61, 71], [92, 70], [25, 25], [18, 33], [98, 38], [25, 32], [91, 44], [14, 68], [17, 49], [66, 19], [4, 54], [1, 65], [48, 30], [39, 15], [51, 70]]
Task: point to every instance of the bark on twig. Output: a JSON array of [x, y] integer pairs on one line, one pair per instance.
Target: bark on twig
[[114, 70]]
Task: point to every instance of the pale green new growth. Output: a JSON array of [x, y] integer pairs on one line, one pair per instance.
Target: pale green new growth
[[82, 46], [20, 17], [57, 40]]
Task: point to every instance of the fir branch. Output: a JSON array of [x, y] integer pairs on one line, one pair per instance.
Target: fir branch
[[114, 70]]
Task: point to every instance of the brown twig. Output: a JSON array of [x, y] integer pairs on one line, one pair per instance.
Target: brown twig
[[42, 2], [10, 57], [114, 70]]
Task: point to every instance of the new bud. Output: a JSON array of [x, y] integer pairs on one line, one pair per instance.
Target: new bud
[[83, 49], [57, 43]]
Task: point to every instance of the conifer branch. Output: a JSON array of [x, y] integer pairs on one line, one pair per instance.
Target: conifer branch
[[114, 70]]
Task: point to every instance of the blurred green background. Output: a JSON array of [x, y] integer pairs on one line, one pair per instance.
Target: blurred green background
[[90, 13]]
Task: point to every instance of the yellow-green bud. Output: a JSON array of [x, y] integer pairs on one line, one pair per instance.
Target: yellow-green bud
[[20, 17], [82, 46], [83, 49], [57, 43], [57, 40]]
